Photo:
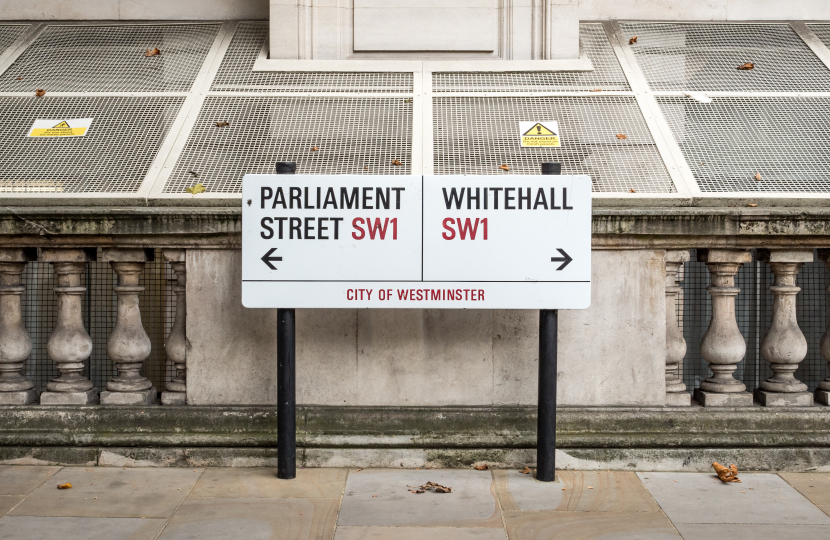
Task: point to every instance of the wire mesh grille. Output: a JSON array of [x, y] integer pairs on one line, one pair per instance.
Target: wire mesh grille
[[9, 33], [113, 157], [688, 56], [157, 304], [753, 308], [111, 59], [607, 73], [323, 135], [727, 142], [477, 135], [236, 71]]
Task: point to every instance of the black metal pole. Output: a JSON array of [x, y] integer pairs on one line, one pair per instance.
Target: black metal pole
[[546, 419], [286, 394]]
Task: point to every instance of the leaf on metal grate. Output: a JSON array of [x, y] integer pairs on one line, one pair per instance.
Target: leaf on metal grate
[[198, 188], [620, 136], [597, 90], [726, 474], [152, 52], [396, 162], [40, 93], [746, 66], [19, 79], [65, 486], [194, 173], [757, 176], [315, 148], [504, 167], [408, 100], [632, 41], [632, 190], [481, 467], [222, 124]]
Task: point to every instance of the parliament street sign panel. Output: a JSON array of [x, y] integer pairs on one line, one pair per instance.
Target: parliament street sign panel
[[464, 242]]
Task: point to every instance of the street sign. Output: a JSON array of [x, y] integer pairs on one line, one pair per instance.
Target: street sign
[[486, 242]]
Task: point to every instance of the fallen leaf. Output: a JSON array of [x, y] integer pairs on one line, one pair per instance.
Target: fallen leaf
[[198, 188], [359, 470], [20, 78], [752, 205], [526, 470], [504, 167], [590, 487], [746, 66], [597, 90], [65, 486], [757, 176], [482, 467], [396, 161], [194, 173], [620, 136], [315, 148], [374, 495], [152, 52], [563, 489], [432, 486], [408, 100], [40, 93], [726, 474], [222, 124], [632, 41], [365, 168], [632, 190]]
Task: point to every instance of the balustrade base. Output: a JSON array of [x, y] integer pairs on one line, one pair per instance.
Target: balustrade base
[[90, 397], [822, 397], [783, 399], [144, 397], [24, 397], [174, 398], [734, 399], [678, 399]]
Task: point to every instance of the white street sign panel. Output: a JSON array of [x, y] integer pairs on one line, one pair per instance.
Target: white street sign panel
[[487, 242]]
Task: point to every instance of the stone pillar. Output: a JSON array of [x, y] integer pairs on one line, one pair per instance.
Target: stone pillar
[[15, 345], [723, 346], [784, 346], [69, 346], [676, 394], [176, 343], [128, 345], [822, 394]]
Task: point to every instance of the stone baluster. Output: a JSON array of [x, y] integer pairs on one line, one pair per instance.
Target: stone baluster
[[176, 343], [676, 394], [69, 345], [723, 346], [822, 394], [784, 346], [15, 345], [128, 345]]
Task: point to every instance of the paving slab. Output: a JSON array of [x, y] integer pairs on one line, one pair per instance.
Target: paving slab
[[759, 498], [553, 525], [263, 483], [23, 479], [75, 528], [7, 502], [815, 486], [253, 519], [517, 491], [382, 497], [120, 493], [418, 533], [747, 531]]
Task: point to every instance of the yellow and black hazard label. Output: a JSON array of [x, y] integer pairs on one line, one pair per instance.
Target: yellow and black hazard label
[[540, 134], [76, 127]]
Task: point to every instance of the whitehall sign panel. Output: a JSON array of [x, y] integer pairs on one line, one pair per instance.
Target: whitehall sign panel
[[487, 242]]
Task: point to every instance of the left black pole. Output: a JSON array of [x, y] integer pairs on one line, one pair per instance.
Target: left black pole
[[286, 393]]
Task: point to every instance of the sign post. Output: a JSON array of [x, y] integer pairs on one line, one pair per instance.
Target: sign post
[[396, 241]]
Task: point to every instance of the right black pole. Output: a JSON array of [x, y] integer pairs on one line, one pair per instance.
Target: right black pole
[[546, 419]]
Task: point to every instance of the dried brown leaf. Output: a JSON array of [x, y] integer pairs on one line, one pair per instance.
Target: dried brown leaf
[[504, 167], [65, 486], [152, 52], [19, 79], [222, 124], [481, 467], [396, 161], [315, 148], [752, 205], [632, 190], [194, 173], [526, 470], [757, 176], [746, 66], [632, 41], [40, 93], [597, 90], [726, 474], [621, 137]]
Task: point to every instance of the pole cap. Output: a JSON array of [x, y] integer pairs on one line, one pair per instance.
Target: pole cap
[[551, 168], [286, 167]]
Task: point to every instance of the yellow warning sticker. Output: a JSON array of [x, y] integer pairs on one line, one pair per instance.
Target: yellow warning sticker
[[70, 127], [540, 134]]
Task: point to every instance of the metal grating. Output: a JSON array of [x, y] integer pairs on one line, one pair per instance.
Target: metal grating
[[607, 73], [475, 135], [113, 157], [822, 31], [727, 142], [235, 73], [158, 310], [111, 59], [352, 136], [753, 308], [705, 56], [9, 34]]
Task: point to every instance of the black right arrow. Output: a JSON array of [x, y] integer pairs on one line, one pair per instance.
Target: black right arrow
[[566, 258], [267, 258]]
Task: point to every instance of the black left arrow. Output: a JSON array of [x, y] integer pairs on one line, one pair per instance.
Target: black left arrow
[[565, 259], [267, 258]]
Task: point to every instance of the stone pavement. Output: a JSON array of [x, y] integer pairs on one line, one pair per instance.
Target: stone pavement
[[373, 504]]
